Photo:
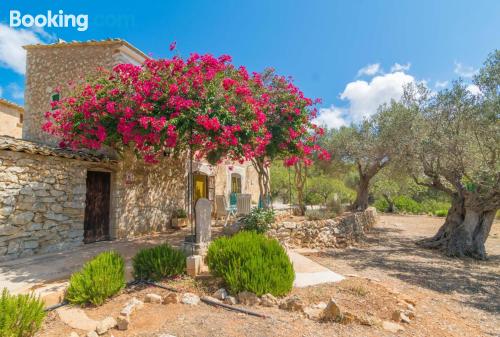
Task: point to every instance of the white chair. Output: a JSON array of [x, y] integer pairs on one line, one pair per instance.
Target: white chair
[[221, 209], [243, 204]]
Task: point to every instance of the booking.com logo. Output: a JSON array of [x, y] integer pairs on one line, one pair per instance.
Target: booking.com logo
[[57, 20]]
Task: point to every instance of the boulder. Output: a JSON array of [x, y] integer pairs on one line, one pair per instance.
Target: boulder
[[122, 322], [153, 298], [332, 312], [190, 299], [221, 294], [105, 325], [268, 300], [293, 303], [248, 298], [171, 298]]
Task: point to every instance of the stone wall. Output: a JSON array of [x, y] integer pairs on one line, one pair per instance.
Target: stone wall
[[146, 195], [330, 233], [42, 203]]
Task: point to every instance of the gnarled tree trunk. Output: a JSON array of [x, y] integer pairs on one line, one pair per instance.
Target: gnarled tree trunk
[[464, 231], [361, 202], [390, 204], [263, 178]]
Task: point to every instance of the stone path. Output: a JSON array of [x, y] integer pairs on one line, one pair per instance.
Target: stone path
[[22, 275], [308, 272]]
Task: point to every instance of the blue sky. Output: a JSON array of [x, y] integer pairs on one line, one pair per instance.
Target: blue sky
[[339, 51]]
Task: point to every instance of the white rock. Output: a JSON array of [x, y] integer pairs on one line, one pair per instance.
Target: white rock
[[73, 334], [189, 298], [131, 306], [92, 334], [230, 300], [268, 300], [106, 324], [153, 298], [221, 294], [391, 326]]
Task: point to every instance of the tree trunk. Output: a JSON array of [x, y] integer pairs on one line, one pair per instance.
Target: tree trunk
[[390, 208], [464, 231], [361, 202], [263, 179], [300, 180]]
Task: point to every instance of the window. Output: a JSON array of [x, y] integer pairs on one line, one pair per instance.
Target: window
[[235, 183], [55, 97]]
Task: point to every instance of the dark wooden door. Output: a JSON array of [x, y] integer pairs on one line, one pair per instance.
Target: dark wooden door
[[96, 223]]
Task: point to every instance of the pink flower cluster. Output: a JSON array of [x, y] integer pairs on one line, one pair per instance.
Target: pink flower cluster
[[203, 102]]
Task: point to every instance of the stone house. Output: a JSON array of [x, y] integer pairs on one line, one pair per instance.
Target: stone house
[[53, 199], [11, 119]]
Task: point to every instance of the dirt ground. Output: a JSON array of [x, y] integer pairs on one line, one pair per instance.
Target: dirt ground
[[452, 297]]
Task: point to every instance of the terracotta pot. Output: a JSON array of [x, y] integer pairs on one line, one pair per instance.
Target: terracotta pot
[[179, 222]]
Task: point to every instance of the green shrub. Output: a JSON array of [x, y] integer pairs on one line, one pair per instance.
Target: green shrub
[[406, 204], [100, 278], [258, 220], [180, 213], [252, 262], [381, 205], [441, 212], [20, 315], [158, 262]]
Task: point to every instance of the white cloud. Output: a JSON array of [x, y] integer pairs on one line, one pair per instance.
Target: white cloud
[[332, 117], [12, 55], [365, 97], [370, 70], [15, 91], [400, 67], [474, 89], [464, 71], [441, 84]]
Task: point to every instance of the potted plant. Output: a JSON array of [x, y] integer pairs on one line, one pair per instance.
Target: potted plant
[[179, 218]]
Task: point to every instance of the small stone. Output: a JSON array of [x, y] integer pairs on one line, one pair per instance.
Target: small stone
[[92, 334], [332, 312], [248, 298], [293, 303], [400, 316], [131, 306], [190, 299], [221, 294], [171, 298], [313, 313], [122, 322], [391, 326], [153, 298], [268, 300], [106, 324], [166, 335], [73, 334], [231, 300]]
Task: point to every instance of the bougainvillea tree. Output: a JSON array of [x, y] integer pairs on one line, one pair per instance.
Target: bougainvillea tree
[[203, 103], [292, 136]]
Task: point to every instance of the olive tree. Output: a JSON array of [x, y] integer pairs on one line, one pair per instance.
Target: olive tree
[[456, 150], [372, 145]]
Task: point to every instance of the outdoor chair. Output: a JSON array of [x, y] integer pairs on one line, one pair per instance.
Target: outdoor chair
[[221, 209], [243, 204]]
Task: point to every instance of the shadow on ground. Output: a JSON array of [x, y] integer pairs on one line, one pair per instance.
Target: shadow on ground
[[390, 251]]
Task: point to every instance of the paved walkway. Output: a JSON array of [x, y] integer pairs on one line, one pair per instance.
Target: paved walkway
[[25, 274], [309, 273]]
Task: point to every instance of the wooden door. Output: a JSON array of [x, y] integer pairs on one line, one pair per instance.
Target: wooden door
[[96, 223], [200, 187]]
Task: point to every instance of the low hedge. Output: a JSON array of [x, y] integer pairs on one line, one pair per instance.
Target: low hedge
[[252, 262], [158, 262], [99, 279], [20, 315]]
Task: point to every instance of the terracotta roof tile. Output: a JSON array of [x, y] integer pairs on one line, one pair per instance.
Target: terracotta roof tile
[[19, 145]]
